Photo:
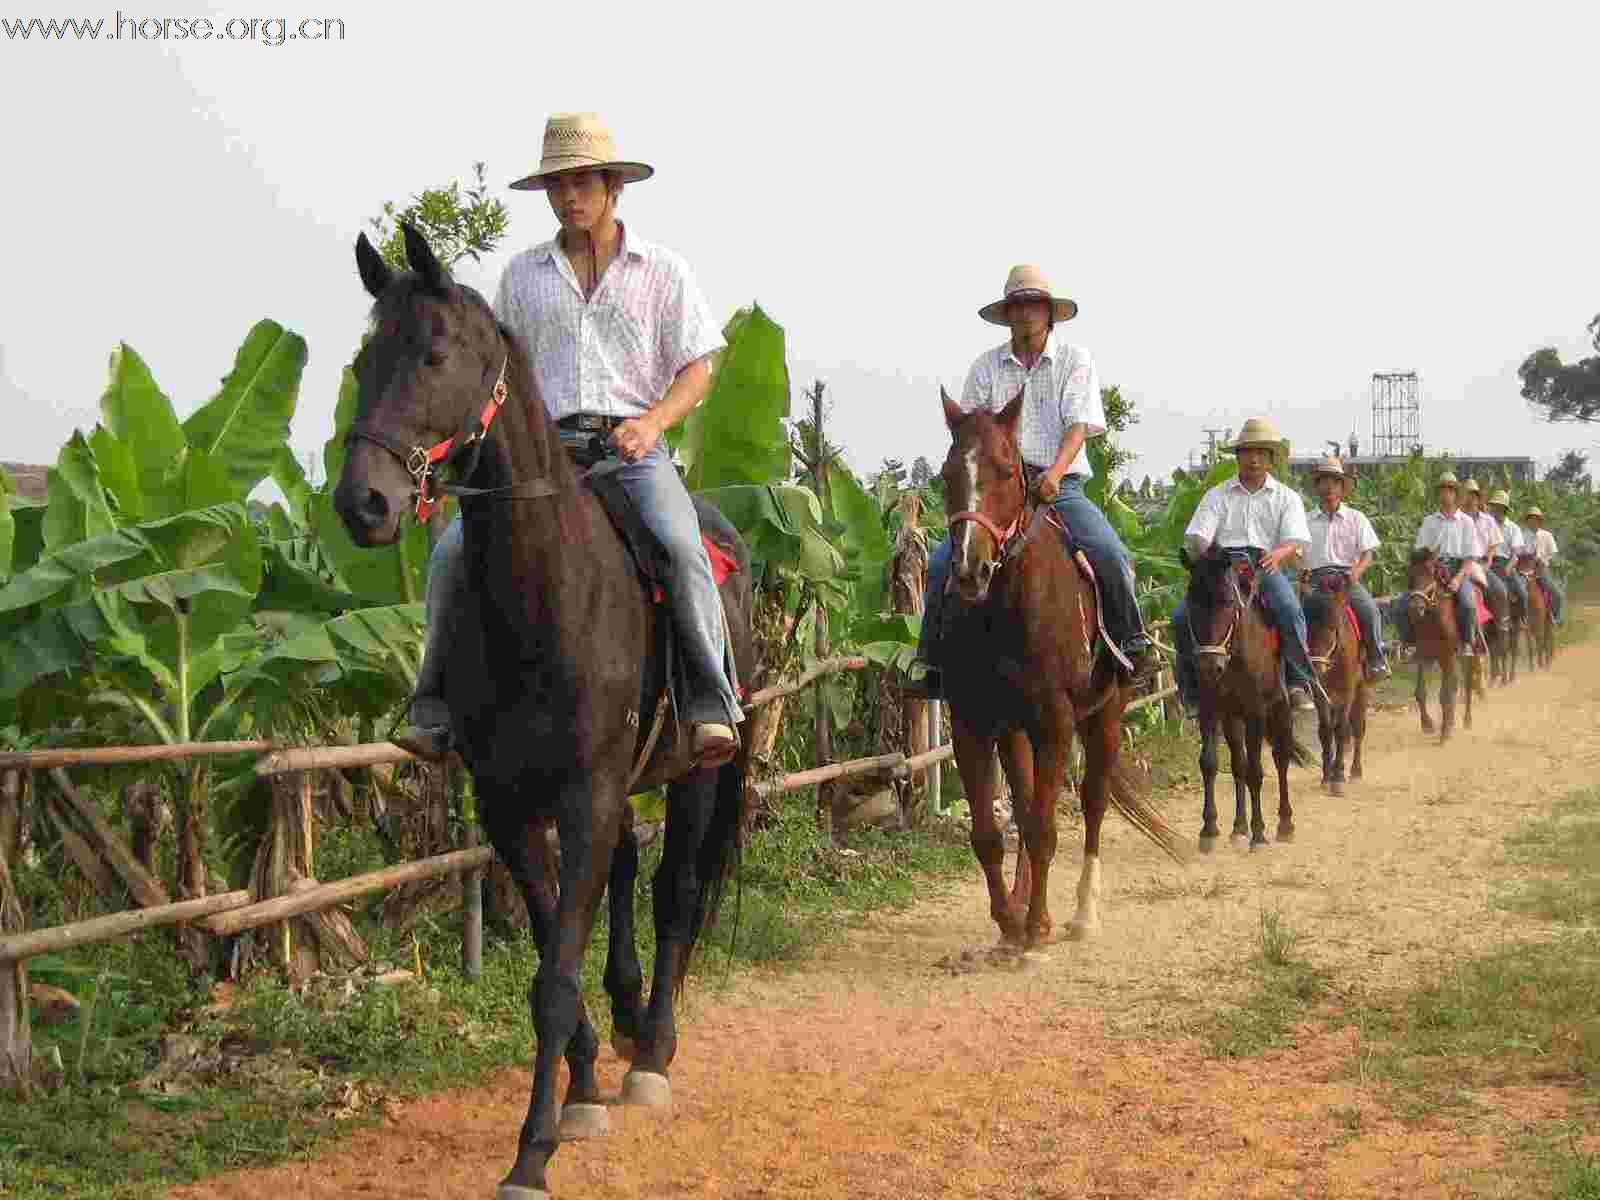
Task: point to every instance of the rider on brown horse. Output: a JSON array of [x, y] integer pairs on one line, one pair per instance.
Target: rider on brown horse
[[622, 341], [1542, 543], [1453, 537], [1254, 513], [1502, 559], [1062, 408], [1342, 538], [1489, 543]]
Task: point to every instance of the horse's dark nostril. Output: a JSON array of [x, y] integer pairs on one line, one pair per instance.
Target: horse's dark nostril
[[375, 511]]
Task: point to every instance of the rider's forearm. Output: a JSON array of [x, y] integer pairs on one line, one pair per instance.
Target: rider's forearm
[[1360, 568], [685, 394], [1071, 443]]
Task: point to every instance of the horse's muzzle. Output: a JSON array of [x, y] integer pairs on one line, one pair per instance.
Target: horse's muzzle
[[972, 585]]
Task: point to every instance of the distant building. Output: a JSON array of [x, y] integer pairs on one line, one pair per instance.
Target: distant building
[[30, 480], [1484, 468]]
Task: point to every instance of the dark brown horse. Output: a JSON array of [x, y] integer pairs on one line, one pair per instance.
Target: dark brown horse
[[1496, 636], [1504, 667], [557, 668], [1541, 625], [1431, 613], [1024, 668], [1335, 641], [1241, 689]]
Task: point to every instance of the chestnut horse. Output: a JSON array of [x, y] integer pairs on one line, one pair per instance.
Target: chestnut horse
[[1023, 667], [1241, 689], [1505, 666], [1336, 656], [557, 668], [1541, 626], [1431, 613]]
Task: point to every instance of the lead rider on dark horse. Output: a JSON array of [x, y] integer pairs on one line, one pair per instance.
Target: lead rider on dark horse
[[621, 340]]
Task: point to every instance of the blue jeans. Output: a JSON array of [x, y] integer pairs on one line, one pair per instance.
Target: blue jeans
[[1287, 615], [663, 501], [1497, 589], [1513, 579], [1558, 593], [1113, 567], [1366, 609]]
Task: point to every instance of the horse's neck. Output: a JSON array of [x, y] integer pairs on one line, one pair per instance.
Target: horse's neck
[[528, 533]]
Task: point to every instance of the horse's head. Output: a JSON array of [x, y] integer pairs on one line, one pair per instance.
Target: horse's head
[[1422, 583], [984, 492], [1216, 604], [434, 357], [1325, 607]]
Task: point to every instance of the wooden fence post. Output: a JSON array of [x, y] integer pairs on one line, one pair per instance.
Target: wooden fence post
[[16, 1037]]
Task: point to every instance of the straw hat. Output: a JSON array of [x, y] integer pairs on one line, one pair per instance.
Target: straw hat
[[1028, 283], [1535, 511], [1472, 486], [1332, 464], [1502, 498], [579, 142], [1448, 479], [1260, 433]]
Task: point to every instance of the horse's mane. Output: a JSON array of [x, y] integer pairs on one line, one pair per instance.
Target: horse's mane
[[1207, 575]]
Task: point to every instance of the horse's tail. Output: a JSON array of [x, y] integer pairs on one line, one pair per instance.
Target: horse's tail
[[1131, 802], [1297, 751], [718, 857]]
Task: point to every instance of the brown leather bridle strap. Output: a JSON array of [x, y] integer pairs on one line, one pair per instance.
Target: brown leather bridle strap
[[1001, 536]]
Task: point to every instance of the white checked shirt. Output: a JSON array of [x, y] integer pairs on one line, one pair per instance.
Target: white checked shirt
[[1233, 517], [1544, 545], [1511, 539], [1489, 537], [618, 352], [1455, 536], [1339, 540], [1063, 388]]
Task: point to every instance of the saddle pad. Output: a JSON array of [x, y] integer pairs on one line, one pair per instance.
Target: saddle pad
[[1484, 615], [1355, 625]]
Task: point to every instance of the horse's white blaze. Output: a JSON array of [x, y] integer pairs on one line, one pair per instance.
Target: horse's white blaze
[[1087, 918], [963, 547]]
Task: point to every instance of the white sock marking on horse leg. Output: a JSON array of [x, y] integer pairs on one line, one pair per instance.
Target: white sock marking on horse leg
[[1087, 919]]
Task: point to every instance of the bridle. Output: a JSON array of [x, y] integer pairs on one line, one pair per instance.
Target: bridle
[[1223, 649], [1002, 537], [423, 464]]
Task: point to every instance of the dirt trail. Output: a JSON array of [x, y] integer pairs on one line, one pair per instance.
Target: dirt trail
[[877, 1072]]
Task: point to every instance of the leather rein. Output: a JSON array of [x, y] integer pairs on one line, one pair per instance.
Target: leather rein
[[1005, 540], [1241, 602], [423, 464]]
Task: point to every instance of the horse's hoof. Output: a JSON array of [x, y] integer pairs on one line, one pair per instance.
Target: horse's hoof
[[511, 1191], [1287, 834], [1032, 960], [1239, 839], [1336, 788], [627, 1049], [1083, 931], [1208, 842], [580, 1121], [646, 1089], [1259, 844]]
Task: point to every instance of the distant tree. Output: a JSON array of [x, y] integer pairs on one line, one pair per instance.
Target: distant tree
[[921, 472], [1571, 471], [1120, 416], [1566, 391], [895, 469], [457, 223], [1147, 488]]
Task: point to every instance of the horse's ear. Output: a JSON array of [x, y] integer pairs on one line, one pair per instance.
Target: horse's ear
[[421, 257], [375, 273], [952, 410], [1011, 413]]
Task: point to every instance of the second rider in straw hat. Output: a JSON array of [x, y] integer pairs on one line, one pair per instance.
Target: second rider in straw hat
[[1266, 518], [1486, 545], [621, 341], [1503, 558], [1061, 409], [1453, 538], [1342, 538]]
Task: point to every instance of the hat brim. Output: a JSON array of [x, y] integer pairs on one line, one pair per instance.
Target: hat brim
[[1256, 444], [995, 314], [1347, 480], [631, 172]]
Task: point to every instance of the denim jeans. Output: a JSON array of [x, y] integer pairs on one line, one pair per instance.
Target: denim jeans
[[1093, 534], [1366, 610], [1558, 593], [1497, 589], [1287, 615], [663, 501], [1513, 579]]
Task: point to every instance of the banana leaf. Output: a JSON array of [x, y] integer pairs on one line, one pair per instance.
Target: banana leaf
[[8, 524], [140, 415], [78, 506], [736, 435], [245, 426], [289, 585], [863, 537]]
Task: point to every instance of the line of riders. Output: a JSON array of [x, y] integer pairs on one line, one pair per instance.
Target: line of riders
[[627, 338]]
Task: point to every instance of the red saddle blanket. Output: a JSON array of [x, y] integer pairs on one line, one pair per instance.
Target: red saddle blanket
[[722, 565], [1355, 625], [1484, 615]]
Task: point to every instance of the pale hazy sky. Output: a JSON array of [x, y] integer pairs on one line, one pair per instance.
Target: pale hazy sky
[[1255, 205]]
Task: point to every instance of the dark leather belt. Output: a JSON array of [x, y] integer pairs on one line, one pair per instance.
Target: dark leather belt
[[589, 423]]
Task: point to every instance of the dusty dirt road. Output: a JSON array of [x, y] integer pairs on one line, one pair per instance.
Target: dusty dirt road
[[875, 1071]]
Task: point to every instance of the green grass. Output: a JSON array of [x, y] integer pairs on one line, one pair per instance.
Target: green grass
[[1563, 854], [100, 1138], [1284, 988]]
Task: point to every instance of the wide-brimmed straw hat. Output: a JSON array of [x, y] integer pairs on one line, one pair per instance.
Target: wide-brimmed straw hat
[[1533, 512], [1448, 479], [1333, 465], [1028, 283], [1258, 432], [1471, 485], [1502, 498], [579, 142]]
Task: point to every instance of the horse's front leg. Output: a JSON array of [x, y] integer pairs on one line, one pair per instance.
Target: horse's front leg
[[1239, 766], [1473, 684], [975, 760], [1358, 728], [589, 823], [1281, 734], [1449, 681], [1102, 753], [1016, 758], [1208, 775], [1422, 692], [1255, 734], [624, 978]]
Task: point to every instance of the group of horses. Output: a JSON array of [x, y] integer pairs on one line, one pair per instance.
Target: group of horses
[[562, 669]]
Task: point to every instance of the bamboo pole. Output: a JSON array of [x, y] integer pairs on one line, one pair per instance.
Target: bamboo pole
[[326, 895], [104, 929], [921, 762], [829, 772], [827, 667], [1152, 698], [318, 758], [109, 756]]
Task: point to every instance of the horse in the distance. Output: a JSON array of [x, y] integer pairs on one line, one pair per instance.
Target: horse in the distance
[[1334, 637], [1239, 669], [1496, 636], [1541, 623], [1504, 668], [1024, 666], [1431, 614], [560, 675]]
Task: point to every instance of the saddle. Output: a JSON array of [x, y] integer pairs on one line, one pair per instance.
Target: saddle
[[1442, 574], [1044, 514]]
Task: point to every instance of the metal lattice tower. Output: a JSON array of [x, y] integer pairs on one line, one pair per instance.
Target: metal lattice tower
[[1396, 414]]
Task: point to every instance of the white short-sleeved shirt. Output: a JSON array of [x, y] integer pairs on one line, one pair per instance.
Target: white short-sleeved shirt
[[1455, 536], [1489, 535], [618, 352], [1510, 539], [1063, 389], [1339, 540], [1544, 545], [1234, 517]]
